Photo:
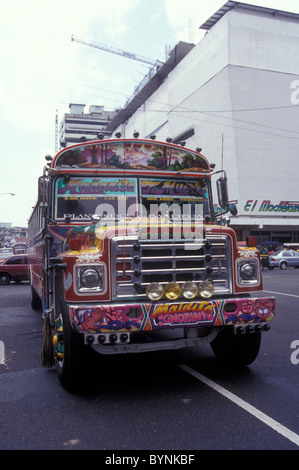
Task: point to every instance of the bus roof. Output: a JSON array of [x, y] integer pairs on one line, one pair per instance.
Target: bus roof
[[130, 154]]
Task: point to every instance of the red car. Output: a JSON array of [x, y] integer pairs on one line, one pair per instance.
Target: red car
[[14, 268]]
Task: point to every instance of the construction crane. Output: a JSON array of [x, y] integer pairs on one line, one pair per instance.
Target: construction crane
[[121, 52]]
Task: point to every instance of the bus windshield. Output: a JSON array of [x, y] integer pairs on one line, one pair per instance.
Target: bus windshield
[[174, 198], [79, 198]]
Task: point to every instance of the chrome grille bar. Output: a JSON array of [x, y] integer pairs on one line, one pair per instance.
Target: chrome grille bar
[[146, 261]]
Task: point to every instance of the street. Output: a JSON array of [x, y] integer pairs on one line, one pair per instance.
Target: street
[[177, 400]]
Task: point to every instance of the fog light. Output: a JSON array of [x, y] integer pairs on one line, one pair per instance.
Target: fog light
[[124, 337], [113, 338], [101, 339], [172, 291], [240, 330], [154, 291], [206, 289], [189, 290]]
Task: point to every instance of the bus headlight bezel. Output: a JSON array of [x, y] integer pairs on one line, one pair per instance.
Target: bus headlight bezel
[[248, 272], [85, 283]]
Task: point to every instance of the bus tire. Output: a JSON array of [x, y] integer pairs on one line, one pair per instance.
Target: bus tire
[[237, 350], [70, 352]]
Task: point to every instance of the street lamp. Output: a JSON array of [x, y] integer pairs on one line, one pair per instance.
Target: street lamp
[[12, 194]]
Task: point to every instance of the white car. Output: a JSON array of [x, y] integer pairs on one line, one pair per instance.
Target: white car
[[284, 259]]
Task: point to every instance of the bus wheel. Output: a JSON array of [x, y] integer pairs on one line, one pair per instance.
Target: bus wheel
[[69, 350], [237, 351]]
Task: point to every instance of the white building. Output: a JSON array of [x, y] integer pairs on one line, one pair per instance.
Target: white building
[[238, 86], [78, 125]]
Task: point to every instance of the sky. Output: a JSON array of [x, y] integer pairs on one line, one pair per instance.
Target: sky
[[42, 71]]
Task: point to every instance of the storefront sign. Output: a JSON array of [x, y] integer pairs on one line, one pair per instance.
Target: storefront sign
[[267, 206]]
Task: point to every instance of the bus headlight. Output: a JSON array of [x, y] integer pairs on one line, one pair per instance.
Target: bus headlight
[[248, 272], [90, 278], [206, 289]]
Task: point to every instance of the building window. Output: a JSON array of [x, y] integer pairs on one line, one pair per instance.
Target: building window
[[184, 136]]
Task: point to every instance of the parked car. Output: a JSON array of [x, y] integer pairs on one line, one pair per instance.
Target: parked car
[[14, 268], [5, 253], [19, 248], [284, 259]]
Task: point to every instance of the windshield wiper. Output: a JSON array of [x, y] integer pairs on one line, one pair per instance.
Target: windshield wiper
[[191, 185]]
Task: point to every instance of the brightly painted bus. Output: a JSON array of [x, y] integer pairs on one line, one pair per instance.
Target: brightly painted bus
[[126, 255]]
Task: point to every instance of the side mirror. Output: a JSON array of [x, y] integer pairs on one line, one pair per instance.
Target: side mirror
[[42, 188], [223, 199], [222, 191]]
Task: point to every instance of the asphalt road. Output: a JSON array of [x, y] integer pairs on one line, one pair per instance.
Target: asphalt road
[[176, 400]]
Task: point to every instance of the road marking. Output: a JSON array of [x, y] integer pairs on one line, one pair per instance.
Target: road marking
[[280, 293], [290, 435]]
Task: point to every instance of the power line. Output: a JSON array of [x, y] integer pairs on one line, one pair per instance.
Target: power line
[[182, 109], [249, 122], [178, 110], [247, 129]]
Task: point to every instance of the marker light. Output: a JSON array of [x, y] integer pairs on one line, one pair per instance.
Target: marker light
[[206, 289], [189, 290], [172, 291], [154, 291]]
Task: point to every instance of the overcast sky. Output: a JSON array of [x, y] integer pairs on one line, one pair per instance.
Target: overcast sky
[[42, 70]]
